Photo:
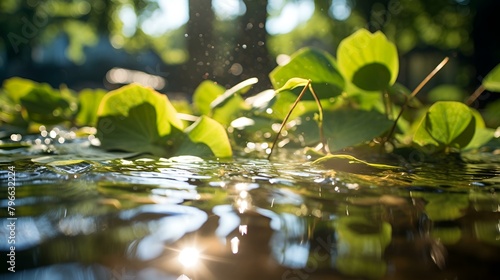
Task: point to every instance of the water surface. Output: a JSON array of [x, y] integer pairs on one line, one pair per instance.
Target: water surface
[[145, 217]]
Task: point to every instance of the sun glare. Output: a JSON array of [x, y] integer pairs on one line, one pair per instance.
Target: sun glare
[[189, 257]]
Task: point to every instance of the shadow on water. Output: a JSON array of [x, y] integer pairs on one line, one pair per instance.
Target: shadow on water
[[185, 218]]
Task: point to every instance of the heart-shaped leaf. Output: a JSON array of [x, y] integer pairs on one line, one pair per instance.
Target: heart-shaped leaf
[[137, 119], [346, 128], [446, 124], [369, 61], [207, 137], [311, 64]]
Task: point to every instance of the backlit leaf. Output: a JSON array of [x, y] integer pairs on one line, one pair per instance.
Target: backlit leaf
[[137, 119], [446, 124], [311, 64], [367, 60]]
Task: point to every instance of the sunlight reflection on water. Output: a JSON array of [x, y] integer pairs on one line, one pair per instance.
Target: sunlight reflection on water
[[253, 219]]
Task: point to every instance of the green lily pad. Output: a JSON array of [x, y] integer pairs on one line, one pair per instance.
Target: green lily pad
[[18, 87], [207, 137], [446, 124], [222, 105], [89, 101], [352, 164], [45, 105], [311, 64], [369, 61], [137, 119], [492, 81], [346, 128]]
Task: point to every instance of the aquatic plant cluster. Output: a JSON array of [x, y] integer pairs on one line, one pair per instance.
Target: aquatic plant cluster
[[333, 104]]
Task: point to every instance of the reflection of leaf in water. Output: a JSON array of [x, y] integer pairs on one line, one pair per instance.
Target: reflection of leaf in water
[[444, 206], [488, 232], [447, 235], [361, 245]]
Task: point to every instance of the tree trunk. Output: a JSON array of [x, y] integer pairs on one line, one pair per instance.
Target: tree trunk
[[199, 44], [252, 58]]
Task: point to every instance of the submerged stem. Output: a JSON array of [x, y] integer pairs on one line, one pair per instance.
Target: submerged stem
[[415, 91]]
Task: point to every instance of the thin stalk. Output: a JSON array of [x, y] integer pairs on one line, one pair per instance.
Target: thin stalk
[[475, 95], [386, 98], [415, 91], [320, 117], [320, 120]]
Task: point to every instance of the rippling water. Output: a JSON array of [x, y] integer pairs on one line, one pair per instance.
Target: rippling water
[[187, 218]]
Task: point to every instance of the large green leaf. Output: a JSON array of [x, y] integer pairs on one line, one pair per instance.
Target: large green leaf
[[207, 137], [45, 105], [311, 64], [221, 105], [206, 92], [18, 87], [492, 81], [346, 128], [40, 102], [89, 101], [137, 119], [367, 60], [446, 124]]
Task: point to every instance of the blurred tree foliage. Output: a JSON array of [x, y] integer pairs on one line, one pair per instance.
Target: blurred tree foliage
[[231, 49]]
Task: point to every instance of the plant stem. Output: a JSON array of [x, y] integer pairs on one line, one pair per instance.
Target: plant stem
[[386, 98], [475, 95], [415, 91], [320, 118]]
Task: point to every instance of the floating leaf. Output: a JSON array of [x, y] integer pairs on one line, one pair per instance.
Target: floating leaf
[[239, 88], [311, 64], [137, 119], [18, 87], [446, 124], [45, 105], [207, 137], [482, 134], [89, 101], [369, 61], [221, 105], [349, 163], [346, 128], [206, 92], [492, 81]]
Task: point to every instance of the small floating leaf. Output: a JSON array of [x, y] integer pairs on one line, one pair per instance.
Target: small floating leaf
[[349, 163], [446, 124]]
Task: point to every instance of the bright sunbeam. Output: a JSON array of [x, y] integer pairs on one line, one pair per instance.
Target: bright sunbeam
[[189, 257]]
